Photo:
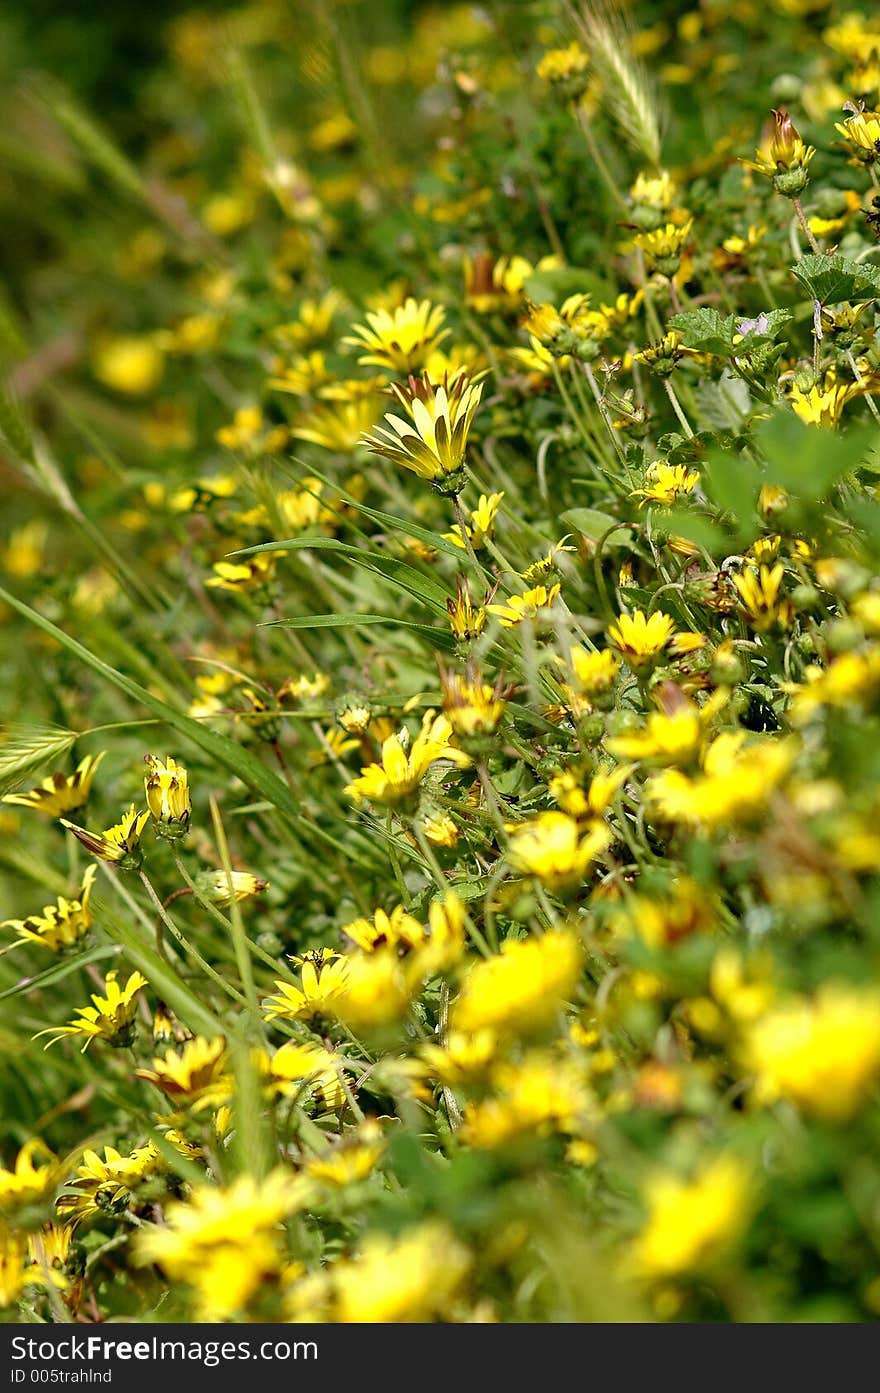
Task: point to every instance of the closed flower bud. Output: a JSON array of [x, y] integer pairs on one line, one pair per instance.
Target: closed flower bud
[[222, 888], [167, 792]]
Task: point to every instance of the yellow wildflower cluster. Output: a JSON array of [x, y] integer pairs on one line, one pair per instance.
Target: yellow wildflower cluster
[[450, 430]]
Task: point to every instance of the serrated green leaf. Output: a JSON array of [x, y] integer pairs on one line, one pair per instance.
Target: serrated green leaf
[[831, 279], [705, 330]]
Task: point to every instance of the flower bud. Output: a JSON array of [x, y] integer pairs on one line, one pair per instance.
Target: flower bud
[[167, 791]]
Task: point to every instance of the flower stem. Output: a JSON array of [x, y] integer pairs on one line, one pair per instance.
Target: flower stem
[[677, 408], [805, 226], [184, 943]]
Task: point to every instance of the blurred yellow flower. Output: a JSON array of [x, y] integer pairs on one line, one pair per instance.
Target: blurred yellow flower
[[415, 1277], [734, 785], [60, 793], [521, 988], [401, 339], [823, 1054], [60, 925], [130, 365], [557, 849], [223, 1240], [692, 1224]]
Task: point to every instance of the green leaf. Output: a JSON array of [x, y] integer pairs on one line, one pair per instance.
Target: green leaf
[[696, 527], [389, 520], [409, 529], [706, 331], [732, 484], [59, 971], [593, 524], [226, 752], [554, 285], [831, 279], [437, 637], [399, 573], [806, 460]]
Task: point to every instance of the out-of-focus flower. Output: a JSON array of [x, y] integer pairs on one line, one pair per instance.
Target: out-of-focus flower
[[415, 1277], [36, 1173], [351, 1159], [823, 1054], [60, 793], [61, 925], [534, 1097], [253, 573], [467, 1055], [521, 988], [339, 426], [400, 340], [734, 785], [223, 1240], [131, 365], [692, 1225], [849, 679], [557, 850]]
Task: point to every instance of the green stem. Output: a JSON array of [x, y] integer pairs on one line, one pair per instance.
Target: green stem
[[805, 226], [677, 408], [395, 862], [184, 943]]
